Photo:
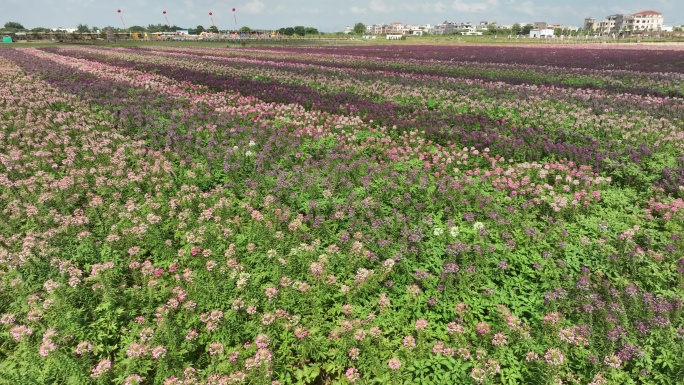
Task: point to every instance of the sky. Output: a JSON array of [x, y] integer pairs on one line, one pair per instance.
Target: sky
[[325, 15]]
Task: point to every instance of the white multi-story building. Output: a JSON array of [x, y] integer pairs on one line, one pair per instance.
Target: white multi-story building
[[647, 21], [625, 23]]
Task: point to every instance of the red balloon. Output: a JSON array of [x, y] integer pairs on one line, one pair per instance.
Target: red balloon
[[233, 9], [210, 13], [165, 12], [118, 10]]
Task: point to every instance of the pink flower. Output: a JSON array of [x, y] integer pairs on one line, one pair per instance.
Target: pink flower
[[7, 319], [483, 328], [346, 326], [531, 357], [438, 348], [316, 268], [18, 332], [136, 350], [271, 292], [464, 353], [554, 357], [191, 335], [552, 318], [347, 309], [300, 332], [215, 348], [158, 352], [352, 374], [394, 364], [354, 353], [133, 379], [46, 347], [101, 368], [421, 324], [499, 339], [409, 342], [478, 374], [262, 341], [414, 289], [83, 347], [453, 327], [461, 308], [613, 361]]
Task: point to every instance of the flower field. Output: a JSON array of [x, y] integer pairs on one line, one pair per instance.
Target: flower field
[[335, 215]]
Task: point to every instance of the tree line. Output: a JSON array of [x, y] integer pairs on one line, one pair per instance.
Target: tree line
[[13, 26]]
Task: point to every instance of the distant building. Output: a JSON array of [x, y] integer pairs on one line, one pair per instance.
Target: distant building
[[468, 26], [619, 24], [539, 25], [541, 33], [485, 25], [589, 24], [647, 21], [396, 27], [444, 28]]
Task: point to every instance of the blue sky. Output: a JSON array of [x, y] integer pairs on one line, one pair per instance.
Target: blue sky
[[326, 15]]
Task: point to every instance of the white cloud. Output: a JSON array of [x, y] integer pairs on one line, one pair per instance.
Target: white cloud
[[379, 6], [254, 7], [526, 7], [357, 10], [437, 7], [664, 5], [474, 7]]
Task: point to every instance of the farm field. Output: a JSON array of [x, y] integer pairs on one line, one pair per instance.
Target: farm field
[[335, 215]]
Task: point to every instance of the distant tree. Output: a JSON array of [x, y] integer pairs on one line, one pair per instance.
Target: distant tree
[[82, 28], [245, 29], [558, 31], [152, 28], [137, 28], [311, 31], [95, 29], [213, 29], [199, 29], [526, 29], [493, 29], [300, 30], [359, 28], [516, 29], [504, 31], [289, 31], [175, 28], [40, 29], [14, 25]]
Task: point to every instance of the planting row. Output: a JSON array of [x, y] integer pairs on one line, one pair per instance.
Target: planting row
[[475, 66], [557, 137]]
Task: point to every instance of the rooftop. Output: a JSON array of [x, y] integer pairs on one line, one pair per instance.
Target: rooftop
[[647, 13]]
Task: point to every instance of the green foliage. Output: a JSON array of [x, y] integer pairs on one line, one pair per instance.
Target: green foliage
[[13, 25]]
